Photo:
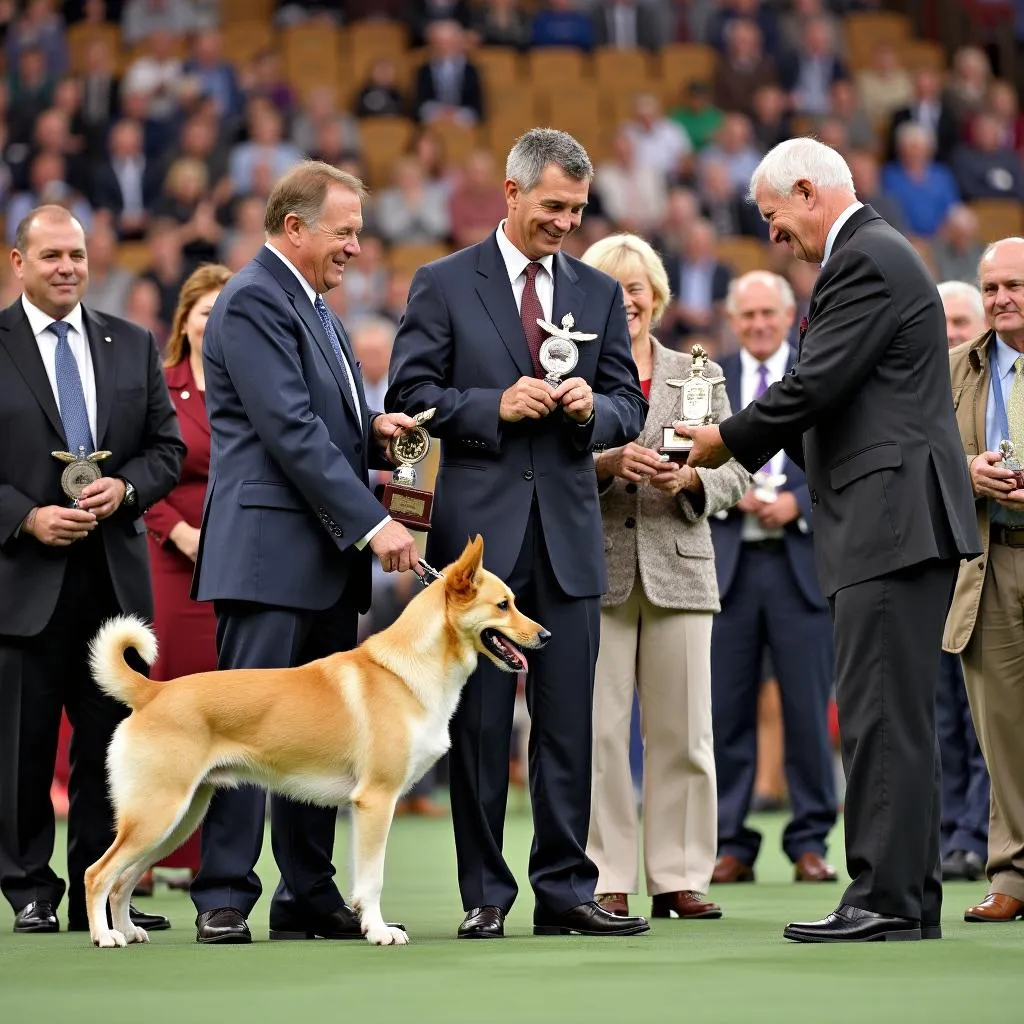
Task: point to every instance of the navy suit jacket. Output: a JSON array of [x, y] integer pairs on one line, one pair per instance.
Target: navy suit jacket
[[289, 453], [460, 345], [727, 527]]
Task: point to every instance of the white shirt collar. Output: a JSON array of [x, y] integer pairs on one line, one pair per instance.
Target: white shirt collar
[[306, 286], [776, 362], [515, 261], [833, 233], [40, 321]]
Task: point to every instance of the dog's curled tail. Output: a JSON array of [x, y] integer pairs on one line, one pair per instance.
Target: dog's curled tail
[[113, 675]]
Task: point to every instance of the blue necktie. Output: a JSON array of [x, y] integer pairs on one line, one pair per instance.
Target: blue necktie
[[332, 336], [73, 412]]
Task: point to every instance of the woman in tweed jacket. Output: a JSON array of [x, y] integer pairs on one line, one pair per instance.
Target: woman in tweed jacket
[[656, 627]]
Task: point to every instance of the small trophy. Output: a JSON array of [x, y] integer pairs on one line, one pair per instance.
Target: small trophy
[[1011, 462], [559, 353], [80, 471], [695, 401], [406, 503], [766, 485]]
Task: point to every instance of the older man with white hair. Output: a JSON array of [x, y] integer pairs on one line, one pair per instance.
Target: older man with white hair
[[986, 625], [771, 599], [866, 411], [965, 312]]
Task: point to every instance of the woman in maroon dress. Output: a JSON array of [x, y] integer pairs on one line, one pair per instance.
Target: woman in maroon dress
[[185, 628]]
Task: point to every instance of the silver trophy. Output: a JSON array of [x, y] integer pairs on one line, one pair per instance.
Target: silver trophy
[[696, 399], [559, 353], [1012, 463], [766, 485]]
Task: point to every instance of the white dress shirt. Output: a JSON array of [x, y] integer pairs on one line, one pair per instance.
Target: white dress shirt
[[311, 295], [833, 232], [47, 342], [516, 264], [776, 366]]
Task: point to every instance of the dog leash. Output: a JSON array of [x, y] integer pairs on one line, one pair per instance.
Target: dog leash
[[429, 574]]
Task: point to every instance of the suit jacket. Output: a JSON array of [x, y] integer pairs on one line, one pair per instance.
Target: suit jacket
[[946, 136], [471, 90], [971, 382], [869, 398], [460, 345], [288, 495], [667, 539], [649, 30], [105, 189], [797, 538], [135, 422]]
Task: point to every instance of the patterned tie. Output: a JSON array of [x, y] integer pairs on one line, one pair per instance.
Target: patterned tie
[[332, 336], [530, 312], [762, 387], [73, 412], [1015, 407]]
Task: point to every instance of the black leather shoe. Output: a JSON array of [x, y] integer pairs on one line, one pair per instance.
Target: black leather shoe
[[962, 866], [37, 918], [342, 923], [149, 922], [587, 919], [225, 926], [851, 924], [483, 923], [931, 931]]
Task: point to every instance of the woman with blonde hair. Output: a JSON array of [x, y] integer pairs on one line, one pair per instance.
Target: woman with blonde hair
[[185, 629], [656, 627]]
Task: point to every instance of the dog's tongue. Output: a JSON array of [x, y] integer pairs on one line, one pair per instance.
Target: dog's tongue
[[517, 655]]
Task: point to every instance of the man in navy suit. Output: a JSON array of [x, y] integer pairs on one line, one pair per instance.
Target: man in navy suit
[[770, 598], [288, 526], [518, 467]]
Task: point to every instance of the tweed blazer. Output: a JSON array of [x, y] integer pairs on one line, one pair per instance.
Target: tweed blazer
[[668, 539]]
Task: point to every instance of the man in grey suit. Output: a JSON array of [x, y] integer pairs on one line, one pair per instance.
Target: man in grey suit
[[517, 467], [866, 411], [288, 526]]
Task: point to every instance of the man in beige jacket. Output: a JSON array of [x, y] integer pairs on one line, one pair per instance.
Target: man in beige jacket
[[986, 624]]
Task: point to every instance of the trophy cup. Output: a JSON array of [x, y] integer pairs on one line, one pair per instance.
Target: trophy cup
[[406, 503], [766, 485], [696, 392], [1011, 462], [80, 471], [559, 353]]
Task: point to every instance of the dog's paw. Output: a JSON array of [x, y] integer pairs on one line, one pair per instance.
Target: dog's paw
[[382, 935], [137, 934], [109, 940]]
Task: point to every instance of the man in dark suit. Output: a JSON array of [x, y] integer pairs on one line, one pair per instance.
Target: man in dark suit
[[517, 466], [71, 380], [448, 86], [764, 555], [866, 410], [930, 109], [700, 281], [124, 181], [288, 527], [627, 25]]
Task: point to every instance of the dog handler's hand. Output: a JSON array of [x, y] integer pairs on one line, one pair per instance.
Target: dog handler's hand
[[393, 544], [58, 527]]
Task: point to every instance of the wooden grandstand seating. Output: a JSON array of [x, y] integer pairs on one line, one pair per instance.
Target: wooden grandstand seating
[[922, 53], [377, 37], [624, 69], [576, 110], [679, 64], [998, 218], [743, 254], [83, 34], [133, 256], [499, 66], [384, 140], [504, 127], [246, 10], [556, 67], [311, 54], [409, 257], [865, 30], [457, 140], [244, 39]]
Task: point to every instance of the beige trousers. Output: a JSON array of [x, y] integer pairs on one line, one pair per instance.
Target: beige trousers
[[665, 655], [993, 664]]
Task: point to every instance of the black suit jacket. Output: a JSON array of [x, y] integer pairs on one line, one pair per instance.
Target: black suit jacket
[[471, 93], [649, 31], [105, 189], [136, 422], [946, 137], [869, 397], [460, 345]]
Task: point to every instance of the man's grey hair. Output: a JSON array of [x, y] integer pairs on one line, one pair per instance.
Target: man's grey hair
[[776, 281], [915, 130], [801, 159], [380, 324], [963, 290], [539, 147]]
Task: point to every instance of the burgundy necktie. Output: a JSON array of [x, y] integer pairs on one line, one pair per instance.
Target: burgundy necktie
[[530, 312]]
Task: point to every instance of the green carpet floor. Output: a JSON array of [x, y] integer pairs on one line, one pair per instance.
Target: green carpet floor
[[735, 970]]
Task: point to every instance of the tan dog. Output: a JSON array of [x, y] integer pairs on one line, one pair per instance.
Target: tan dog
[[363, 726]]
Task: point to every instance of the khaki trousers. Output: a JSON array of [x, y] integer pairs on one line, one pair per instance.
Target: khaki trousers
[[665, 655], [993, 663]]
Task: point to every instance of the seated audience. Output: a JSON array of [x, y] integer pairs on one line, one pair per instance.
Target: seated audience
[[448, 85], [923, 189]]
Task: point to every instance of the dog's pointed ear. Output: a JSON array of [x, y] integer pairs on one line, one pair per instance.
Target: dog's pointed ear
[[463, 578]]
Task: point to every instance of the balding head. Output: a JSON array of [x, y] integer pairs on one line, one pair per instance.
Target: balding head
[[761, 308], [50, 260], [1001, 277]]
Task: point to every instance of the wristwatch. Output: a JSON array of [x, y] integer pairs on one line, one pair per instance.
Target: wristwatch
[[130, 495]]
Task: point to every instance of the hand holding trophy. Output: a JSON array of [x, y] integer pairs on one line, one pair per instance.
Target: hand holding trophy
[[1012, 463], [406, 503], [696, 401]]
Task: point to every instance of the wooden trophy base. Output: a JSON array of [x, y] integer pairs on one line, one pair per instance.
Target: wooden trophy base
[[674, 448], [408, 505]]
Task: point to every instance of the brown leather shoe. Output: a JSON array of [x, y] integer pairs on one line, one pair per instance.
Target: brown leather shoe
[[994, 908], [616, 903], [687, 905], [810, 867], [731, 869]]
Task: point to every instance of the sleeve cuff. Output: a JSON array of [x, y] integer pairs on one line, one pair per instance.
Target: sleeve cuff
[[369, 535]]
